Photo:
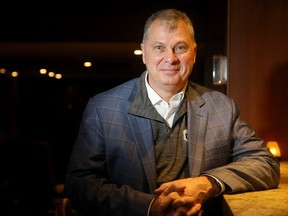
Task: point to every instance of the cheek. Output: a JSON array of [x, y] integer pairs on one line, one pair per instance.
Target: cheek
[[153, 59], [157, 59], [189, 60]]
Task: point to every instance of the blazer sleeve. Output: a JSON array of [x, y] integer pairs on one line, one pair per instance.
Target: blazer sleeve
[[251, 166]]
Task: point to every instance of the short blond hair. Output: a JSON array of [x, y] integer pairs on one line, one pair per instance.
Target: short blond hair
[[170, 17]]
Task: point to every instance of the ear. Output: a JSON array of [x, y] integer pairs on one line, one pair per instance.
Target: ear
[[143, 53], [195, 52]]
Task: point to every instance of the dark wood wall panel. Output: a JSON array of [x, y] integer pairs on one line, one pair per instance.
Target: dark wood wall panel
[[258, 65]]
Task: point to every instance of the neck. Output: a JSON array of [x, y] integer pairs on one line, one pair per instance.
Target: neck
[[167, 92]]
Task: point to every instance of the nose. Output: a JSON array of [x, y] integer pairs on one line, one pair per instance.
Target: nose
[[170, 56]]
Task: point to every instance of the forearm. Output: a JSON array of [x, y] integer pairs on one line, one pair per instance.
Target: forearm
[[90, 195], [249, 174]]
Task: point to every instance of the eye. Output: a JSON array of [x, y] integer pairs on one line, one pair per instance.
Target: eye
[[159, 48], [182, 48]]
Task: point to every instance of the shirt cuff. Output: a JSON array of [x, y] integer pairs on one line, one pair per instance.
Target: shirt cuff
[[148, 212], [218, 182]]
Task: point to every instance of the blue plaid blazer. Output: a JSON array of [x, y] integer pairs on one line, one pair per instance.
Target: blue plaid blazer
[[112, 166]]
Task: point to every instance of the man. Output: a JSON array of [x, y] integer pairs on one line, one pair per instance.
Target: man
[[160, 144]]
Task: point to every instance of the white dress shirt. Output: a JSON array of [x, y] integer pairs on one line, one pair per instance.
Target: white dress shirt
[[166, 110]]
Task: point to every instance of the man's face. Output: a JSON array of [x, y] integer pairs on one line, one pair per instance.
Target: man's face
[[169, 56]]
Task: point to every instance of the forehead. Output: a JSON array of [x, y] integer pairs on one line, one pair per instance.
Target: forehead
[[165, 25], [165, 28]]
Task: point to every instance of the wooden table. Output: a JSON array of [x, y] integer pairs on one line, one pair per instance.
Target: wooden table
[[272, 202]]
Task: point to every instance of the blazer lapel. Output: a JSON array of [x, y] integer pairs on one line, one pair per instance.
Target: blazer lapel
[[196, 125], [141, 129]]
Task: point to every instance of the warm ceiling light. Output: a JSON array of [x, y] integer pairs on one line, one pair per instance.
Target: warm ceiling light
[[58, 76], [87, 64], [14, 74], [51, 74], [2, 70], [138, 52], [43, 71], [274, 148]]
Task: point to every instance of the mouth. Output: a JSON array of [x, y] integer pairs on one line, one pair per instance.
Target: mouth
[[170, 70]]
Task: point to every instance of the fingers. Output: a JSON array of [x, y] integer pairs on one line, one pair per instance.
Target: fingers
[[186, 211], [186, 206], [170, 187], [179, 211], [180, 197], [195, 210], [175, 205], [163, 203], [187, 201]]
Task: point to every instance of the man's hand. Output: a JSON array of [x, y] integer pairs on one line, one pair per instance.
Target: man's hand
[[173, 203], [183, 197]]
